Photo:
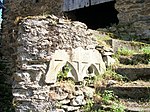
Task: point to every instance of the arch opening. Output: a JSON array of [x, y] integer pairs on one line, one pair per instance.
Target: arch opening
[[69, 71], [97, 16], [92, 70]]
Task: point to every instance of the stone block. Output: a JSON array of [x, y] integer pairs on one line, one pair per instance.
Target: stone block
[[83, 63]]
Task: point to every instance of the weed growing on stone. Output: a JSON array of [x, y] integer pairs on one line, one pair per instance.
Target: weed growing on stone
[[117, 107], [108, 103], [89, 105], [146, 50], [146, 53], [125, 52], [89, 80], [62, 75], [111, 74], [107, 96]]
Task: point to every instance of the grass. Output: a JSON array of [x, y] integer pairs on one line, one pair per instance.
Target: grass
[[131, 57], [111, 74], [125, 52], [102, 80], [105, 102], [146, 50]]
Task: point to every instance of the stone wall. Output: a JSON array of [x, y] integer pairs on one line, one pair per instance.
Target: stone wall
[[31, 91], [134, 17], [17, 9], [44, 46]]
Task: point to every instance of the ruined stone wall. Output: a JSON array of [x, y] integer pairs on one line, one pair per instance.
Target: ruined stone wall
[[134, 17], [15, 10], [39, 40]]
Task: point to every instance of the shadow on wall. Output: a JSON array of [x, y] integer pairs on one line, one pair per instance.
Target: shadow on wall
[[5, 88], [97, 16]]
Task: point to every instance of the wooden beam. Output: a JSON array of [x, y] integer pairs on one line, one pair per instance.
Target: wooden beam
[[96, 2], [70, 5], [75, 4]]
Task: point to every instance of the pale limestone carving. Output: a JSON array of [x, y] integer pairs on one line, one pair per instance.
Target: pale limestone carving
[[82, 62]]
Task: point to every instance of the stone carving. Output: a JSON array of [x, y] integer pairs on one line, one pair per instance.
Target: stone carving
[[82, 62]]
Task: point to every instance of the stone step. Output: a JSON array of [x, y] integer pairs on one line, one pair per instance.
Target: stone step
[[134, 72], [132, 90], [136, 105], [134, 59], [131, 45], [137, 109]]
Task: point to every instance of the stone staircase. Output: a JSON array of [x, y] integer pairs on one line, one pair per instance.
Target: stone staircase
[[134, 92]]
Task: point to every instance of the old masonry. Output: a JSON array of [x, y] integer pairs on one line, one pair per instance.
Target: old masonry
[[38, 46]]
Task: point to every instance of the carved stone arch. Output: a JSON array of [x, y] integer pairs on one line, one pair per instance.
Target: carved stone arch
[[51, 76], [73, 72], [89, 70]]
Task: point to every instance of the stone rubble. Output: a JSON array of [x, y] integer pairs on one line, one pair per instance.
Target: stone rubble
[[75, 102], [107, 54]]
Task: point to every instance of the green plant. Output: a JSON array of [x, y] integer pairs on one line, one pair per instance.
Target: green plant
[[107, 96], [89, 105], [111, 74], [89, 80], [117, 107], [108, 99], [146, 50], [62, 75], [125, 52]]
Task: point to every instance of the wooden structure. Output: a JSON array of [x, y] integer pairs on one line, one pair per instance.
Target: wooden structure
[[70, 5]]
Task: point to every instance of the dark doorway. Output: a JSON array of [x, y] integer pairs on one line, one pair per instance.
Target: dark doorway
[[97, 16]]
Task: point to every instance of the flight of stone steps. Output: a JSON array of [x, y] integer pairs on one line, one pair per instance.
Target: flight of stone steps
[[134, 93]]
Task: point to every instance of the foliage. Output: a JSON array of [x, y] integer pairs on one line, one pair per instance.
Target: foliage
[[111, 74], [117, 107], [62, 75], [146, 50], [107, 96], [89, 105], [125, 52], [89, 80], [108, 99]]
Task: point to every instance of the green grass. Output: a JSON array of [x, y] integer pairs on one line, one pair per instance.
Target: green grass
[[125, 52], [146, 50], [108, 99]]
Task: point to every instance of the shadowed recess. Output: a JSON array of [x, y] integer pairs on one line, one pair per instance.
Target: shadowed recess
[[97, 16]]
